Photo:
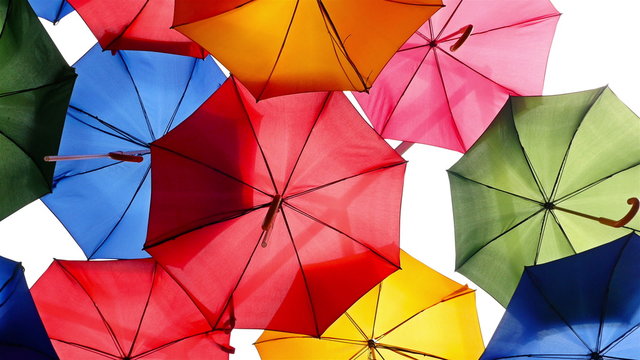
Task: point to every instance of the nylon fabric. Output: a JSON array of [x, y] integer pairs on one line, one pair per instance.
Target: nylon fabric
[[53, 11]]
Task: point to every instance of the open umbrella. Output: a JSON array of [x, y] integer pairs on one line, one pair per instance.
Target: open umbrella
[[550, 177], [449, 80], [22, 335], [415, 313], [584, 307], [285, 211], [135, 25], [292, 46], [50, 9], [35, 87], [123, 309], [120, 104]]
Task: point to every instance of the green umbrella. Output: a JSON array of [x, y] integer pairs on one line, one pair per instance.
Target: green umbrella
[[541, 183], [35, 86]]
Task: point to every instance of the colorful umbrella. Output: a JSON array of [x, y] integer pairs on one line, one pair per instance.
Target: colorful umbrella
[[121, 103], [135, 25], [414, 313], [292, 46], [35, 87], [540, 184], [50, 9], [585, 306], [285, 211], [22, 335], [449, 80], [125, 309]]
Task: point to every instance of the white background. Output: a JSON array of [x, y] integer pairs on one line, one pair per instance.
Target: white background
[[596, 43]]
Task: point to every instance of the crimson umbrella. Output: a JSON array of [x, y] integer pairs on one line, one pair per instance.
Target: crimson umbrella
[[284, 211], [136, 25], [123, 309], [449, 80]]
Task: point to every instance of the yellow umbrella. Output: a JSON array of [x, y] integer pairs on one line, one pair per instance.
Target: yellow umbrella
[[415, 313], [278, 47]]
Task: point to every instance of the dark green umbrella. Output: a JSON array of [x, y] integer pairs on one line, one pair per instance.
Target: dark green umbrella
[[540, 184], [35, 86]]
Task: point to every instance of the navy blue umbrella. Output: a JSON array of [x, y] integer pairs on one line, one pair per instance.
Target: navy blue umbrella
[[586, 306], [119, 105], [22, 335], [52, 10]]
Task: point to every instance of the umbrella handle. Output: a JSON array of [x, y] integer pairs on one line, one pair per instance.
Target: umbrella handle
[[403, 147], [129, 156], [269, 219], [635, 205], [466, 32]]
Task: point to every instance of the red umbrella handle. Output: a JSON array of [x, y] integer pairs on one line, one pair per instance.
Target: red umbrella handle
[[466, 32], [267, 224]]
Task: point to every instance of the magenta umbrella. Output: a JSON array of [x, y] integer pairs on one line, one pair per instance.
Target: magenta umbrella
[[448, 81]]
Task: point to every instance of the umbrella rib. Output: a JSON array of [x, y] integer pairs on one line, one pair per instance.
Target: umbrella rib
[[587, 187], [375, 312], [196, 161], [284, 41], [64, 176], [545, 356], [383, 167], [15, 273], [126, 28], [386, 122], [34, 161], [615, 342], [542, 228], [135, 87], [104, 320], [88, 348], [144, 177], [603, 310], [358, 353], [304, 275], [124, 135], [57, 82], [526, 157], [146, 306], [338, 231], [536, 284], [444, 27], [401, 351], [353, 322], [446, 96], [492, 188], [563, 232], [163, 346], [304, 145], [59, 12], [573, 136], [255, 136], [501, 234], [379, 353], [33, 349], [184, 92]]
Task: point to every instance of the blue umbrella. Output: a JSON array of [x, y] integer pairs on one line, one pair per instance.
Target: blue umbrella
[[51, 10], [22, 335], [586, 306], [121, 103]]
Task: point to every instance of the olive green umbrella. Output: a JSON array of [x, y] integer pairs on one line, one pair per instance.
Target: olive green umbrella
[[35, 86], [549, 178]]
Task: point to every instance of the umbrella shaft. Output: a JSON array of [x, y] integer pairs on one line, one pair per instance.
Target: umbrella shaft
[[52, 158]]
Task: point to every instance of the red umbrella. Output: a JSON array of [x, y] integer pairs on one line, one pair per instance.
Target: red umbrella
[[285, 211], [136, 25], [124, 309], [449, 80]]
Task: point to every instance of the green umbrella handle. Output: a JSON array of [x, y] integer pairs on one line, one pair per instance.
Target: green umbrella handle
[[466, 32], [129, 156], [635, 205]]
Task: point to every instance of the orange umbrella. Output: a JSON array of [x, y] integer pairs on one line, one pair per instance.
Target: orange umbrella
[[290, 46]]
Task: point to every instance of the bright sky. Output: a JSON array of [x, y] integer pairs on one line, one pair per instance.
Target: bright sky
[[595, 44]]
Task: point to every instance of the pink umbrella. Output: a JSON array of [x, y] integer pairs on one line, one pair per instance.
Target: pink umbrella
[[448, 81]]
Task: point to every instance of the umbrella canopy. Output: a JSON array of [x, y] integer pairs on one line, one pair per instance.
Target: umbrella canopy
[[34, 94], [414, 313], [52, 10], [22, 335], [292, 46], [271, 209], [539, 183], [124, 309], [135, 25], [121, 103], [585, 306], [449, 80]]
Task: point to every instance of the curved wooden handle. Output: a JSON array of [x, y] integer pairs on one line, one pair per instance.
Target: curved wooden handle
[[466, 32], [635, 206], [120, 156]]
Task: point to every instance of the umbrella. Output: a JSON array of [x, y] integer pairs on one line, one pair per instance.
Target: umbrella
[[292, 46], [550, 177], [120, 103], [22, 335], [449, 80], [123, 309], [34, 93], [51, 10], [135, 25], [584, 307], [414, 313], [273, 208]]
